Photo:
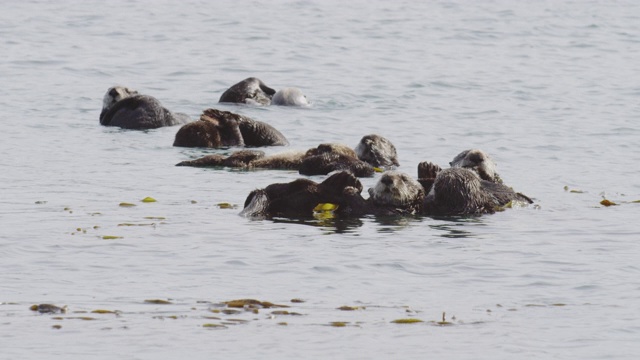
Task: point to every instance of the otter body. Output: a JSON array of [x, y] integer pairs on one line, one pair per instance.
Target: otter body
[[248, 91], [218, 128], [321, 160], [299, 197], [460, 191], [125, 108]]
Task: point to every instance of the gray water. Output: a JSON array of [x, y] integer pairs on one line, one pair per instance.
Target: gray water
[[549, 89]]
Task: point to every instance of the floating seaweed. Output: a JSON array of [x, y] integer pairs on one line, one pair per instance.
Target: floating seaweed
[[251, 303], [351, 308], [285, 312], [297, 301], [111, 237], [226, 205], [48, 308], [406, 321], [148, 199], [607, 203], [338, 323], [101, 311], [212, 325], [158, 301]]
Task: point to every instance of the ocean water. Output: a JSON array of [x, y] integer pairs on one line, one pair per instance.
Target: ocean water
[[549, 89]]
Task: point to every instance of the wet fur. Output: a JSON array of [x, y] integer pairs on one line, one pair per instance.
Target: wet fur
[[217, 128], [125, 108], [248, 91], [299, 197]]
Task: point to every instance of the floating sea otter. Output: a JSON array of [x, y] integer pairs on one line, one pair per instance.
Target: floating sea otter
[[395, 193], [218, 128], [470, 186], [127, 109], [248, 91], [372, 152], [253, 91], [460, 191], [300, 197]]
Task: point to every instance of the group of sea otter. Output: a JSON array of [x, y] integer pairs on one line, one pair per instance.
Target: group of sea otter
[[470, 186]]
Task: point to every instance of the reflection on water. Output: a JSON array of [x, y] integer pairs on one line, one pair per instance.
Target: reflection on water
[[457, 226], [332, 225]]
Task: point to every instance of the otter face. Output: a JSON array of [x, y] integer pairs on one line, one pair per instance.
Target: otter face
[[377, 151], [115, 94], [478, 161], [396, 189], [289, 97]]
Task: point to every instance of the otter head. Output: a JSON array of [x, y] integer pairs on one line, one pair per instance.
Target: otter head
[[377, 151], [396, 189], [115, 94], [458, 191], [289, 97], [478, 161], [331, 148]]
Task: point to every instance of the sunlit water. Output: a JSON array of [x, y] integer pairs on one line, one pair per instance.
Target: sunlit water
[[549, 89]]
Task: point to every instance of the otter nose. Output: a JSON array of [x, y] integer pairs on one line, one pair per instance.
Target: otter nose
[[387, 180]]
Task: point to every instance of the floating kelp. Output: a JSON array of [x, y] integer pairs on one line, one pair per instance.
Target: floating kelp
[[101, 311], [230, 311], [297, 300], [213, 326], [225, 205], [48, 309], [574, 191], [148, 200], [252, 303], [351, 308], [131, 224], [444, 322], [338, 323], [406, 321], [111, 237], [285, 312], [158, 301], [607, 203], [56, 327], [126, 204], [155, 218], [41, 202]]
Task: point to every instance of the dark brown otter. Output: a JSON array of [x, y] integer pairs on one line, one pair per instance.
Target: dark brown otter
[[300, 197], [248, 91], [125, 108], [320, 160], [217, 128]]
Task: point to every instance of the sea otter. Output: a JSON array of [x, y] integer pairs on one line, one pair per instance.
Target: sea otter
[[128, 109], [300, 197], [289, 97], [478, 161], [248, 91], [217, 128], [460, 191], [320, 160], [377, 151], [395, 193]]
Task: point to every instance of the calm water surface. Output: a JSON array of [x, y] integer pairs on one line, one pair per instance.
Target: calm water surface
[[549, 89]]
